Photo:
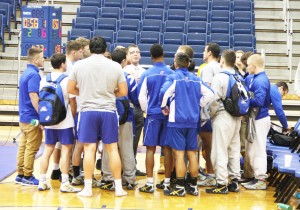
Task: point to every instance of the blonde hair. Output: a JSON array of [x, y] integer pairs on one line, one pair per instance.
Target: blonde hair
[[256, 60]]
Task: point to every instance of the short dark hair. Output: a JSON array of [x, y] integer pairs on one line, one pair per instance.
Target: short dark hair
[[156, 51], [32, 52], [214, 48], [284, 86], [229, 57], [245, 57], [57, 59], [118, 55], [73, 45], [182, 60], [98, 45]]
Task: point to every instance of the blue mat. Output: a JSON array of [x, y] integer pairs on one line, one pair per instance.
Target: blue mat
[[8, 159]]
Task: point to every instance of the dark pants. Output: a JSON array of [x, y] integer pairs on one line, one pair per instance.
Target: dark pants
[[139, 124]]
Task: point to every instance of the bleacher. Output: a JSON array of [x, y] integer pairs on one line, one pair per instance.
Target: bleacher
[[8, 10], [170, 23]]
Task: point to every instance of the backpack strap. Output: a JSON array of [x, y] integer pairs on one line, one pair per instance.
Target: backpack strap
[[48, 77], [229, 82], [60, 78]]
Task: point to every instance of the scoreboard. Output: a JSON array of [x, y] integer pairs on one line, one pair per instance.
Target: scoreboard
[[41, 28]]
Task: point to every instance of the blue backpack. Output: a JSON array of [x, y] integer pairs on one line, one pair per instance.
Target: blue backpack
[[52, 109], [237, 101]]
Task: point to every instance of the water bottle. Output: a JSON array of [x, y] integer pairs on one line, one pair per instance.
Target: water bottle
[[297, 195], [34, 122], [282, 206]]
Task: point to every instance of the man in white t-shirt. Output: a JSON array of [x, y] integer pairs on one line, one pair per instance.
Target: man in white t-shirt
[[210, 56], [73, 54], [62, 132]]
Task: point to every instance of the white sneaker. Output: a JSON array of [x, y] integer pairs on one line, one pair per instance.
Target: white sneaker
[[248, 183], [67, 188], [256, 185], [208, 181], [76, 181], [43, 186]]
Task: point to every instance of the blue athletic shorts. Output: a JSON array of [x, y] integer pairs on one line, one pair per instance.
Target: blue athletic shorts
[[64, 136], [75, 127], [182, 138], [98, 125], [206, 127], [155, 132]]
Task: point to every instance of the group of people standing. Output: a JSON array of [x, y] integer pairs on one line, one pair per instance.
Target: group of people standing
[[107, 98]]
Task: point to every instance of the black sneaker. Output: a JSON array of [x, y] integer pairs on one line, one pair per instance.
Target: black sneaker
[[147, 188], [139, 173], [107, 185], [160, 185], [173, 182], [219, 189], [130, 186], [177, 191], [56, 174], [99, 164], [233, 186], [192, 189]]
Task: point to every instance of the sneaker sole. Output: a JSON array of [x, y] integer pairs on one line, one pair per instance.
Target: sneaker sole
[[16, 182], [24, 184], [69, 191], [221, 193], [147, 191], [41, 189]]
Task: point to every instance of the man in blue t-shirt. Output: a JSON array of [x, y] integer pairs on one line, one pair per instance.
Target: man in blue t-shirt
[[28, 106], [156, 123], [277, 91]]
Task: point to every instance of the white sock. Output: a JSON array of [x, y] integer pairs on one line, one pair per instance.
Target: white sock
[[64, 178], [167, 181], [87, 190], [55, 166], [150, 180], [42, 177], [212, 175], [118, 188]]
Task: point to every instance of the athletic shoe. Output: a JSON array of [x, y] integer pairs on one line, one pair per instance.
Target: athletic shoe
[[256, 185], [30, 181], [250, 182], [67, 188], [99, 164], [18, 179], [201, 176], [177, 191], [160, 185], [56, 174], [233, 186], [139, 173], [192, 189], [107, 185], [208, 181], [219, 189], [130, 186], [147, 188], [76, 181], [95, 183], [43, 186]]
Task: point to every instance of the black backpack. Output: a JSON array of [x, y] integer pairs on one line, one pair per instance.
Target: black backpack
[[280, 139]]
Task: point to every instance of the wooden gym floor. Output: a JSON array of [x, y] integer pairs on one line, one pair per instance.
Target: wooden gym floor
[[14, 196]]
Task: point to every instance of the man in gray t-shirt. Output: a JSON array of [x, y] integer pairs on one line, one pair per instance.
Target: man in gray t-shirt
[[211, 56], [98, 81]]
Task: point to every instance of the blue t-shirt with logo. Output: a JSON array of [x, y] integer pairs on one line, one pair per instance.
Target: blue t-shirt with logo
[[29, 83]]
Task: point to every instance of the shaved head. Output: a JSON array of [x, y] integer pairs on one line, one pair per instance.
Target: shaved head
[[255, 64]]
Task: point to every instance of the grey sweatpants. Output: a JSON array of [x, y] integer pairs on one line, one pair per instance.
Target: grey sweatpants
[[225, 152], [126, 154]]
